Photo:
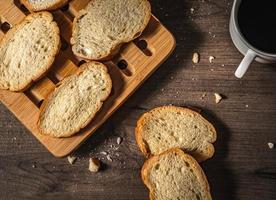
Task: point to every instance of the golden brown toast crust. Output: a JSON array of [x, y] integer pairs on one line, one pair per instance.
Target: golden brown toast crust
[[150, 163], [143, 145]]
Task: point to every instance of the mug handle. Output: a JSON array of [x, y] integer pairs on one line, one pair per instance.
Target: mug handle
[[247, 60]]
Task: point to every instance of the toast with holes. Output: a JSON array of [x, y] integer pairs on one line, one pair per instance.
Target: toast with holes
[[175, 175], [27, 51], [104, 25], [39, 5], [169, 127], [75, 102]]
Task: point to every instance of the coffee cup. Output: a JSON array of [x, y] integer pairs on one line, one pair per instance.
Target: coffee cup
[[250, 51]]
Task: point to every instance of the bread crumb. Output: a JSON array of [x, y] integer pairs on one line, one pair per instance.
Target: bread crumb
[[33, 165], [195, 58], [192, 10], [71, 159], [246, 105], [108, 157], [270, 145], [203, 95], [94, 165], [103, 153], [119, 140], [218, 98], [211, 59]]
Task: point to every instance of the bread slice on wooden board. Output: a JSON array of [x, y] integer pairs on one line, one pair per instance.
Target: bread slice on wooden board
[[175, 175], [100, 28], [28, 50], [168, 127], [39, 5], [75, 102]]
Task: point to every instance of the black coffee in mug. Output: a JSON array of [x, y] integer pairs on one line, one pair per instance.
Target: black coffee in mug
[[257, 23]]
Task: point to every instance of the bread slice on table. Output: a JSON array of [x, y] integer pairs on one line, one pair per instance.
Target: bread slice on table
[[168, 127], [104, 25], [28, 50], [75, 102], [175, 175], [39, 5]]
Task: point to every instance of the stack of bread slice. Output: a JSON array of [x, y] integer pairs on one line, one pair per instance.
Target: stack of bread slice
[[175, 139]]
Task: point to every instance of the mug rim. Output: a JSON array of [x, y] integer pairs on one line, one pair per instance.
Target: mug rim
[[236, 25]]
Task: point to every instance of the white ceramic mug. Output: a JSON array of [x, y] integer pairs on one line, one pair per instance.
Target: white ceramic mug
[[250, 53]]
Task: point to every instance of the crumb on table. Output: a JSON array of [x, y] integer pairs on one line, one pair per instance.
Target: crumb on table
[[218, 98], [94, 165], [270, 145]]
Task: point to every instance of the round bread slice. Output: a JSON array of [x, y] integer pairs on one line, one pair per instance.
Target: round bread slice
[[28, 50], [39, 5], [169, 127], [175, 175], [75, 102], [104, 25]]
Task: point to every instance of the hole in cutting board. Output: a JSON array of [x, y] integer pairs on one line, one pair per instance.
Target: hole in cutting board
[[66, 12], [65, 7], [36, 101], [21, 7], [112, 92], [143, 46], [81, 62], [64, 45], [5, 27], [52, 77], [123, 65]]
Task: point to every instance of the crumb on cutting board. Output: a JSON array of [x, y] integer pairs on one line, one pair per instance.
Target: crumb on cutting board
[[94, 165]]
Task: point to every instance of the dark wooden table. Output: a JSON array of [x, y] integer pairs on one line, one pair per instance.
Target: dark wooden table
[[243, 166]]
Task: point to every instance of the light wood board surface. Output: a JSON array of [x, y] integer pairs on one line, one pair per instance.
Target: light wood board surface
[[128, 70]]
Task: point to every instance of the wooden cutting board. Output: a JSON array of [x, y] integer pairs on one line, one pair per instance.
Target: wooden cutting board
[[136, 61]]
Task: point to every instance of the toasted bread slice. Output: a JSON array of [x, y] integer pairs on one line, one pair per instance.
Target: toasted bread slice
[[75, 102], [28, 50], [104, 25], [175, 175], [169, 127], [39, 5]]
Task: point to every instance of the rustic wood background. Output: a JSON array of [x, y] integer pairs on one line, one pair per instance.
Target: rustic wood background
[[243, 166]]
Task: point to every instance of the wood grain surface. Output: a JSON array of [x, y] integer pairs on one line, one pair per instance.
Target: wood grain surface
[[243, 166], [140, 63]]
